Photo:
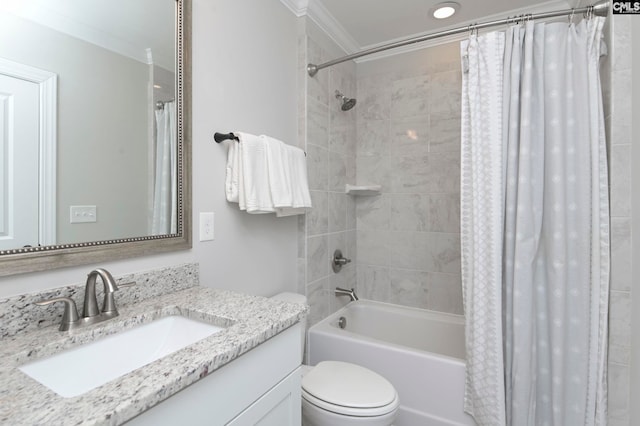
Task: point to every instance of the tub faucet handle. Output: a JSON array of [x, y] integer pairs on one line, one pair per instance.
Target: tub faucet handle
[[338, 261]]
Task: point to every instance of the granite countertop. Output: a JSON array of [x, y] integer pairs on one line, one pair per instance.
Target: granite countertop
[[250, 320]]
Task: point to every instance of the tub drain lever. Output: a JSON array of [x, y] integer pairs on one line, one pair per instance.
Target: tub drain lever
[[342, 322]]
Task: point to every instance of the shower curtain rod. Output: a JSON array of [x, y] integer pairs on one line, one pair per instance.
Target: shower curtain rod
[[161, 104], [600, 8]]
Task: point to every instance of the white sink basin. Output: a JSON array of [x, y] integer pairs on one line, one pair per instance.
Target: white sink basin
[[78, 370]]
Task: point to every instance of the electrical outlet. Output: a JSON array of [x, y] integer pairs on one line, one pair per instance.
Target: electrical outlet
[[206, 226]]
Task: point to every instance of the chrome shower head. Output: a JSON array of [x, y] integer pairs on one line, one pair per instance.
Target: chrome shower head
[[347, 103]]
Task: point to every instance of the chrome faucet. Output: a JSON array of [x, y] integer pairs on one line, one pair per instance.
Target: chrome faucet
[[91, 314], [344, 292]]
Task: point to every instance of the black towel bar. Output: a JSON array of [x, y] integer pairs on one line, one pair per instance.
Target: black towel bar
[[219, 137]]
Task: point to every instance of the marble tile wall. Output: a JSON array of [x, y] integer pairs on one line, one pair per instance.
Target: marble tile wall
[[408, 126], [616, 80], [330, 143]]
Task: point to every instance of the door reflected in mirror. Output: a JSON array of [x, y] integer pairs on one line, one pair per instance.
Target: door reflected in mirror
[[88, 132]]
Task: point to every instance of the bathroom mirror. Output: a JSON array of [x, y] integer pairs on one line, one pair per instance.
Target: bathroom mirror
[[102, 92]]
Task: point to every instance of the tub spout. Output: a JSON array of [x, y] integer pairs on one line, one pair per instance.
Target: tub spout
[[344, 292]]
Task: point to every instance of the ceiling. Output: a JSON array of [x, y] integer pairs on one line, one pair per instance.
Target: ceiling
[[361, 24]]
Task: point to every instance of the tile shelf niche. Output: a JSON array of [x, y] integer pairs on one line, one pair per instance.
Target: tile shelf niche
[[359, 190]]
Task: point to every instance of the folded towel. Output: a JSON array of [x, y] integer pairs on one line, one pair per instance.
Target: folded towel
[[254, 193], [233, 171], [265, 175], [301, 199], [279, 172]]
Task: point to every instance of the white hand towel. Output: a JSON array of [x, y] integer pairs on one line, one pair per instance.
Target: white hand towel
[[233, 170], [279, 172], [301, 199], [254, 194]]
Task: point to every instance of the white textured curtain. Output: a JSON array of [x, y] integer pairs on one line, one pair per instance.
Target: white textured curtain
[[555, 269], [165, 198], [481, 217]]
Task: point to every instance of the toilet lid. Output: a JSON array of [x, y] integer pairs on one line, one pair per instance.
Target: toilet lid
[[349, 385]]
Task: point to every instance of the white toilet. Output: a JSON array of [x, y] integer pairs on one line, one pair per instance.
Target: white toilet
[[338, 393]]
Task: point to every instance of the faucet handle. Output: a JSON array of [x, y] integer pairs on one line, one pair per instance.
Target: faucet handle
[[129, 284], [109, 303], [338, 261], [70, 315]]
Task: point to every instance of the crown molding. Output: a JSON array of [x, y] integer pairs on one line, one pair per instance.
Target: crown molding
[[539, 8], [317, 12], [297, 7], [326, 21]]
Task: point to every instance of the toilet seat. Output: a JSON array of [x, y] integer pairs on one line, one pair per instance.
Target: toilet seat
[[349, 390], [350, 411]]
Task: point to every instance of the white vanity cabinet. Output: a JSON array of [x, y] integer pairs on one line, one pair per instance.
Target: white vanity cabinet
[[261, 387]]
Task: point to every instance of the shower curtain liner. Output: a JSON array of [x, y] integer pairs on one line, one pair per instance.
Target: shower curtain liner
[[535, 225], [165, 202]]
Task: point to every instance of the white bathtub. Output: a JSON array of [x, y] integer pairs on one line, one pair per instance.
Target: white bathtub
[[421, 352]]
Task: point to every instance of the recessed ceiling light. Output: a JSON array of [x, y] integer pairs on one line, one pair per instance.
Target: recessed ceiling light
[[445, 10]]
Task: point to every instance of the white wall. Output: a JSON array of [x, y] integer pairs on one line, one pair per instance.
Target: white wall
[[95, 138], [244, 78], [244, 75]]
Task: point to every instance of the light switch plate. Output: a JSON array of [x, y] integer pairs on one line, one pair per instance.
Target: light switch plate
[[83, 214], [206, 226]]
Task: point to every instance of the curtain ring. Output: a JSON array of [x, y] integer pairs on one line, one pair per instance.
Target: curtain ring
[[473, 29], [589, 13], [515, 19], [573, 12]]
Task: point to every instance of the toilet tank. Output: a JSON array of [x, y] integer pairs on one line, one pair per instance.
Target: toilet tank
[[295, 298]]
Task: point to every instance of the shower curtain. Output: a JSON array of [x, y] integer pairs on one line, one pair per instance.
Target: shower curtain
[[165, 201], [535, 225]]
